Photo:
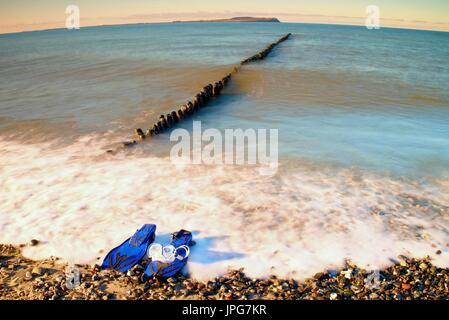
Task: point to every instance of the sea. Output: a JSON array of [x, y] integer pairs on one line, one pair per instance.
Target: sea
[[363, 144]]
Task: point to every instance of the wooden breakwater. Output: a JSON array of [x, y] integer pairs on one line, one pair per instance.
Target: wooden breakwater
[[200, 100]]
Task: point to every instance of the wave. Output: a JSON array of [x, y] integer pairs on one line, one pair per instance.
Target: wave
[[80, 202], [341, 88]]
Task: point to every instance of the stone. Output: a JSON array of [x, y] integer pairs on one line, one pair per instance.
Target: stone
[[217, 89], [163, 122], [423, 266], [373, 296], [28, 276], [139, 133], [190, 107], [204, 98], [406, 286], [34, 242], [169, 120], [201, 101], [195, 104], [180, 114], [37, 271]]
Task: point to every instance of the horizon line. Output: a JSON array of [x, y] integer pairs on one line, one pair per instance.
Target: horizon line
[[187, 21]]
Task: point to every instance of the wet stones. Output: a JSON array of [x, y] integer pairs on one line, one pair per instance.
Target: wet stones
[[264, 53], [139, 133], [37, 271], [28, 276], [163, 122], [206, 94], [190, 108], [175, 117], [226, 79], [150, 132], [408, 279], [204, 98], [160, 126], [210, 89], [170, 121], [156, 129], [284, 38], [197, 101], [218, 86], [180, 115]]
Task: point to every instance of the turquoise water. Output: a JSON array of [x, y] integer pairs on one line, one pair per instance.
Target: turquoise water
[[338, 94], [363, 120]]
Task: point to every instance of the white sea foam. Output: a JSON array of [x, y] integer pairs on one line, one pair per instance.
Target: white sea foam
[[81, 202]]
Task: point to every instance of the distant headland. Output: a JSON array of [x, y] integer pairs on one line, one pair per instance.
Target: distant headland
[[235, 19]]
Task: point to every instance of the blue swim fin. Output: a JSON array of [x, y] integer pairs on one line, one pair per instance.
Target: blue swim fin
[[162, 269], [130, 252]]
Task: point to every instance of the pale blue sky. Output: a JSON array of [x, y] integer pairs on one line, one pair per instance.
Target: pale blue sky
[[37, 14]]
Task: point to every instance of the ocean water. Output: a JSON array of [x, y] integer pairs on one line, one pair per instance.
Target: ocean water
[[363, 120]]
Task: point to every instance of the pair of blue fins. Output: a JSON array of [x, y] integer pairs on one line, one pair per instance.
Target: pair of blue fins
[[134, 249]]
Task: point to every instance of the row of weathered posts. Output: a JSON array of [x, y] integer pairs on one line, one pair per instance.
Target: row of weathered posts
[[200, 100]]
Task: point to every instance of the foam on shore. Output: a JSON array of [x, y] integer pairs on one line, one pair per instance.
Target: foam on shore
[[81, 202]]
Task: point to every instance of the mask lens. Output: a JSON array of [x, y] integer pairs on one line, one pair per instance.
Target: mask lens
[[168, 251]]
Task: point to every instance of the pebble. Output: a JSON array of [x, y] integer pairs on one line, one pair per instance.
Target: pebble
[[423, 266], [406, 286], [414, 279], [37, 271], [347, 274]]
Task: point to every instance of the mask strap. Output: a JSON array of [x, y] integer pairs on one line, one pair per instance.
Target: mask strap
[[186, 249]]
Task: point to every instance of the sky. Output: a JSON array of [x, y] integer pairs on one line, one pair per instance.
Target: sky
[[27, 15]]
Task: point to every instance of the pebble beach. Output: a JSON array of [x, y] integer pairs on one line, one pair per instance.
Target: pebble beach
[[87, 122], [406, 279]]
